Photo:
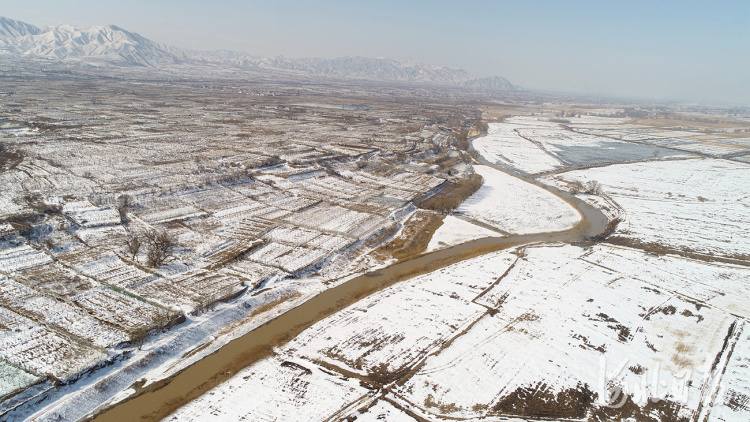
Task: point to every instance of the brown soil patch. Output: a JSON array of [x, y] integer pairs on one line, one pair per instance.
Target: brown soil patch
[[659, 249], [539, 401]]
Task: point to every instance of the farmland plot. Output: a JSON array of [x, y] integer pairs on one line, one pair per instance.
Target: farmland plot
[[108, 237], [22, 257], [194, 288], [334, 187], [120, 310], [299, 236], [113, 270], [93, 216], [732, 402], [247, 210], [690, 205], [251, 189], [38, 350], [515, 206], [12, 292], [381, 335], [55, 279], [72, 319], [212, 198], [274, 389], [13, 379], [248, 229], [163, 210], [383, 411], [406, 182], [455, 231], [289, 258], [292, 203], [333, 218], [572, 325], [504, 146], [254, 272]]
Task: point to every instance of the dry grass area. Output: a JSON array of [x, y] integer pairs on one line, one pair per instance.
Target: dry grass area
[[453, 195], [497, 113], [414, 237]]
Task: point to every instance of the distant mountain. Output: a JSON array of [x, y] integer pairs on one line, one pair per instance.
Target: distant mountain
[[497, 83], [118, 46], [68, 42], [15, 29], [363, 67]]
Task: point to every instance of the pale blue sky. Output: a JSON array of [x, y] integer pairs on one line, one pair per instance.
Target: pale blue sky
[[682, 50]]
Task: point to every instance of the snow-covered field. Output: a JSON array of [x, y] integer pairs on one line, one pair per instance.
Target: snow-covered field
[[22, 257], [39, 351], [383, 411], [504, 146], [383, 334], [700, 205], [564, 315], [14, 379], [732, 401], [377, 336], [455, 231], [535, 145], [515, 206], [275, 389]]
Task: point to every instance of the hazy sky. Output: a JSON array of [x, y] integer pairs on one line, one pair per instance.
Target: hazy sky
[[684, 50]]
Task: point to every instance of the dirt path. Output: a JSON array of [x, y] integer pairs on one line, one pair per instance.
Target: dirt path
[[162, 398]]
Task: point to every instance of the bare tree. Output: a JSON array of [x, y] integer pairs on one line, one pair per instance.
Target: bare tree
[[577, 187], [161, 245], [594, 188], [134, 243], [125, 203], [139, 335]]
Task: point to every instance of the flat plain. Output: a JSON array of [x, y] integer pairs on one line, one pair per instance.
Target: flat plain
[[273, 191]]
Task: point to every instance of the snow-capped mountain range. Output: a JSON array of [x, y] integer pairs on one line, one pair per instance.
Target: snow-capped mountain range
[[118, 46]]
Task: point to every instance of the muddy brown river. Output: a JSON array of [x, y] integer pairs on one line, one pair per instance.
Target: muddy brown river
[[162, 398]]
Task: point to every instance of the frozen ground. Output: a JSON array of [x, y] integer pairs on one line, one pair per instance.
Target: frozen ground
[[536, 145], [383, 411], [383, 334], [568, 329], [700, 205], [564, 314], [376, 337], [732, 402], [504, 146], [455, 231], [515, 206], [274, 389], [13, 378]]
